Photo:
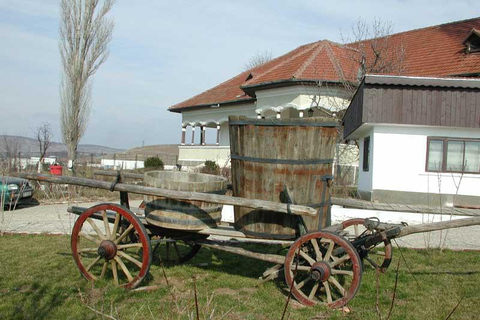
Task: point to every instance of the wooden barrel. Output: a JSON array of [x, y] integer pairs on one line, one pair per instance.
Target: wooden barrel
[[270, 156], [183, 215]]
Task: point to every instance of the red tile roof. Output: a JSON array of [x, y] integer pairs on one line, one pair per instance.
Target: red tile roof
[[436, 51]]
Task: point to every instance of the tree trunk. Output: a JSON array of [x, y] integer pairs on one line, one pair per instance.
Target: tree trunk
[[72, 155]]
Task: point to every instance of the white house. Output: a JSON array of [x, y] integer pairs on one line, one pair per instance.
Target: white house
[[315, 78], [419, 139]]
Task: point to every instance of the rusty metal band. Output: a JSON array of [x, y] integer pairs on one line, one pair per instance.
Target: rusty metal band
[[281, 161], [280, 123], [191, 222]]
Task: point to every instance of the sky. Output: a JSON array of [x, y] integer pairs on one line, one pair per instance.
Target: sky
[[164, 52]]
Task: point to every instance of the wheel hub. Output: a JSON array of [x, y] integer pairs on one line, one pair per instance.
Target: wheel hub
[[320, 271], [107, 249]]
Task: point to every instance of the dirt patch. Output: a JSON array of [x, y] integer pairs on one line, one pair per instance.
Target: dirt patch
[[226, 291]]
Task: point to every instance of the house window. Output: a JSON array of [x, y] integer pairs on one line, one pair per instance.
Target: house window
[[366, 153], [453, 155]]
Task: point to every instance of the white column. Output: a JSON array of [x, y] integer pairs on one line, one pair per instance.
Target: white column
[[184, 129], [193, 135]]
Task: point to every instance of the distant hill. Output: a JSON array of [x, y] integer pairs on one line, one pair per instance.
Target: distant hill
[[155, 149], [29, 146]]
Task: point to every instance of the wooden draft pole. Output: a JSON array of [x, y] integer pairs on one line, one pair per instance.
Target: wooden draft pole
[[180, 195]]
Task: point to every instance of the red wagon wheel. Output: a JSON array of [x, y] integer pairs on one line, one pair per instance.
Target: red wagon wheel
[[112, 246], [379, 257], [323, 268]]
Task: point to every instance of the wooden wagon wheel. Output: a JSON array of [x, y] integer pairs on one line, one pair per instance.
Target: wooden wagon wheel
[[175, 251], [323, 268], [379, 257], [106, 248]]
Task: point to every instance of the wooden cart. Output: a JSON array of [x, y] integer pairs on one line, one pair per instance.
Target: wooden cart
[[321, 266]]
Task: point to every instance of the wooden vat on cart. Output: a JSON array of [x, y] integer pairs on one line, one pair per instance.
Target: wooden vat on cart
[[282, 160]]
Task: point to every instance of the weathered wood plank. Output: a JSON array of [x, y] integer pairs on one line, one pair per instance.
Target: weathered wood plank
[[273, 258], [427, 227], [181, 195], [361, 204], [115, 173]]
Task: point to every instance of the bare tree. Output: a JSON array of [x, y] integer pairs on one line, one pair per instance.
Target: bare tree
[[258, 59], [373, 49], [84, 36], [44, 137], [11, 146]]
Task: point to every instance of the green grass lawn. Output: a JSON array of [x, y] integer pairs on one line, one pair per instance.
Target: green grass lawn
[[39, 280]]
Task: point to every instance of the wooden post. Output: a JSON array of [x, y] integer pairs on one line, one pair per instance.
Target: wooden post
[[202, 135], [193, 135], [218, 133], [184, 129]]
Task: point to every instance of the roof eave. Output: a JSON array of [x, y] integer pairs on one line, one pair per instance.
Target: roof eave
[[250, 89], [209, 105]]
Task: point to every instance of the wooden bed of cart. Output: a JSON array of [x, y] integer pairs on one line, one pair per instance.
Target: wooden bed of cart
[[321, 266]]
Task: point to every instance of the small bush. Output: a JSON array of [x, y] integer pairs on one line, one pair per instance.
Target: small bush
[[153, 163], [210, 167]]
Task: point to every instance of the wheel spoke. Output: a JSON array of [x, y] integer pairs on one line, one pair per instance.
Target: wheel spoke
[[97, 230], [307, 257], [327, 290], [89, 237], [105, 223], [115, 226], [124, 268], [176, 249], [328, 255], [114, 271], [94, 262], [104, 269], [317, 249], [129, 245], [129, 258], [302, 268], [338, 261], [373, 263], [124, 234], [343, 272], [357, 233], [338, 285], [302, 283], [87, 250], [314, 290]]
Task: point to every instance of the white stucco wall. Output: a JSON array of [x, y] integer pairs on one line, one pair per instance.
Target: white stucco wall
[[219, 154], [398, 156], [301, 98], [365, 177]]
